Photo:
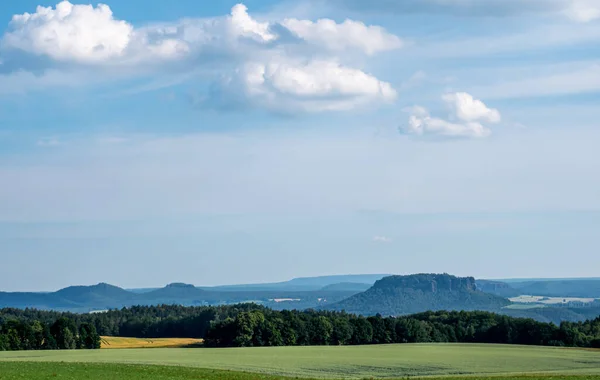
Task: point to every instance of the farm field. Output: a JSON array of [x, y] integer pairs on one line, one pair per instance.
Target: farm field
[[388, 361], [109, 342], [524, 299], [79, 371]]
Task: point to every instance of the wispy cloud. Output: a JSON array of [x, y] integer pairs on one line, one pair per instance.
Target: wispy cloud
[[576, 10], [382, 239], [50, 142], [214, 173], [567, 79]]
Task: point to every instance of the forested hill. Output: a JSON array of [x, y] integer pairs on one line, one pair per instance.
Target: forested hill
[[401, 295]]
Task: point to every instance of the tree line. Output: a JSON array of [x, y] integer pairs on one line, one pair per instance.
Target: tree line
[[247, 325], [161, 321], [63, 334], [272, 328]]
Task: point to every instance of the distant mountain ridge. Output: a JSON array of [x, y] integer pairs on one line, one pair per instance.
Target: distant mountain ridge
[[104, 296], [401, 295], [362, 294], [304, 283], [581, 287], [560, 288], [351, 286]]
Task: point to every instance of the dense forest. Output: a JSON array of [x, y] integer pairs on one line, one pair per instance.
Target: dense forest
[[252, 325], [275, 328], [36, 334], [163, 321]]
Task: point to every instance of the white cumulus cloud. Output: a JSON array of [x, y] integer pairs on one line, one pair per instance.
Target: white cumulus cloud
[[425, 125], [244, 25], [312, 86], [465, 120], [261, 63], [82, 33], [467, 108], [78, 32], [347, 35], [90, 34]]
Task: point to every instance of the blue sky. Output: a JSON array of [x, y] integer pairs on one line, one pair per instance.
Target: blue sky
[[147, 142]]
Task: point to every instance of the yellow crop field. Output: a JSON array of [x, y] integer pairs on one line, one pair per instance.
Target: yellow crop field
[[110, 342]]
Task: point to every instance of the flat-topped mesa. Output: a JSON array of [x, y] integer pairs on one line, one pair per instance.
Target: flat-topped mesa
[[400, 295], [427, 282]]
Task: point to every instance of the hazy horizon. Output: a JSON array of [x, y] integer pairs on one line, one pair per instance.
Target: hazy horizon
[[258, 282]]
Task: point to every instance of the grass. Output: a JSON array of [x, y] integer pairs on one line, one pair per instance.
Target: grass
[[83, 371], [109, 342], [86, 371], [389, 361]]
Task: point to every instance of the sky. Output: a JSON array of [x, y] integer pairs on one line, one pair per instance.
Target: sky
[[150, 142]]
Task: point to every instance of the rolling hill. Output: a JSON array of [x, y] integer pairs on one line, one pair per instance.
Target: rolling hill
[[104, 296], [400, 295], [101, 294]]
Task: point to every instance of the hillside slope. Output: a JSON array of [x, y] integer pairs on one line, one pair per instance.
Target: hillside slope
[[400, 295]]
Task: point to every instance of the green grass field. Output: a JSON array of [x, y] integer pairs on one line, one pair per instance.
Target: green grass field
[[86, 371], [82, 371], [389, 361]]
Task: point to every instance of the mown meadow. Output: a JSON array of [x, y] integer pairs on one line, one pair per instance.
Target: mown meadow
[[112, 342]]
